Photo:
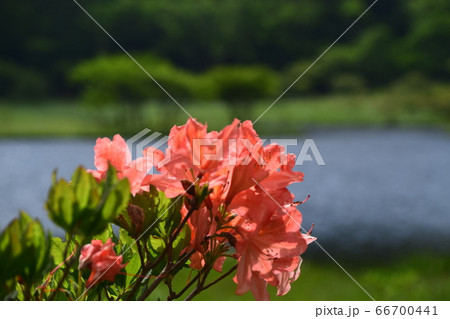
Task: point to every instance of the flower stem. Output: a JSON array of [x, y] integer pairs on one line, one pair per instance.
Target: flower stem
[[202, 286], [178, 295], [166, 271], [229, 272]]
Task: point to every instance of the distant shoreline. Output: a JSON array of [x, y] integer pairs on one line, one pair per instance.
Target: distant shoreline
[[290, 116]]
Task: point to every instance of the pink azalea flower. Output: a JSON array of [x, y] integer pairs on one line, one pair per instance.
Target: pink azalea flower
[[255, 164], [102, 260], [116, 153], [187, 157], [268, 241], [269, 244]]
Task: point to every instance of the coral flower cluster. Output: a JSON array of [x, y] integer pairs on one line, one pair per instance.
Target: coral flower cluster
[[102, 260], [249, 214]]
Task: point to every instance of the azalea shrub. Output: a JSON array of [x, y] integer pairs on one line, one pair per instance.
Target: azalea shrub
[[213, 202]]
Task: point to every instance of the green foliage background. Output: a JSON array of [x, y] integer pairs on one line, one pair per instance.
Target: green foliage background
[[45, 40]]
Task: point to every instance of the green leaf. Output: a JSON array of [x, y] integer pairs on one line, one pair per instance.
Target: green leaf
[[150, 213], [124, 222], [57, 250], [127, 248], [116, 199], [133, 267], [106, 234], [126, 244], [24, 250], [149, 202], [201, 193], [157, 244], [60, 204], [170, 217], [182, 241], [82, 187]]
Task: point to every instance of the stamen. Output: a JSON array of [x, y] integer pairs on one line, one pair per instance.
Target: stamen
[[301, 202]]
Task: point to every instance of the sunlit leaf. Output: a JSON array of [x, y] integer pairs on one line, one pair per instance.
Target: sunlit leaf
[[82, 187], [133, 266], [182, 241], [157, 244]]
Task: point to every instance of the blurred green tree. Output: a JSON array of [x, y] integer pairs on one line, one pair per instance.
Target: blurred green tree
[[394, 38], [116, 80], [239, 86], [426, 48]]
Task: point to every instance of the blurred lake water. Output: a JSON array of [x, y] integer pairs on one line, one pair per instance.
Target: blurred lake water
[[380, 190]]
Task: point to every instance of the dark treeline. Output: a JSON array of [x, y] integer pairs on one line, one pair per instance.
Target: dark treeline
[[42, 41]]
